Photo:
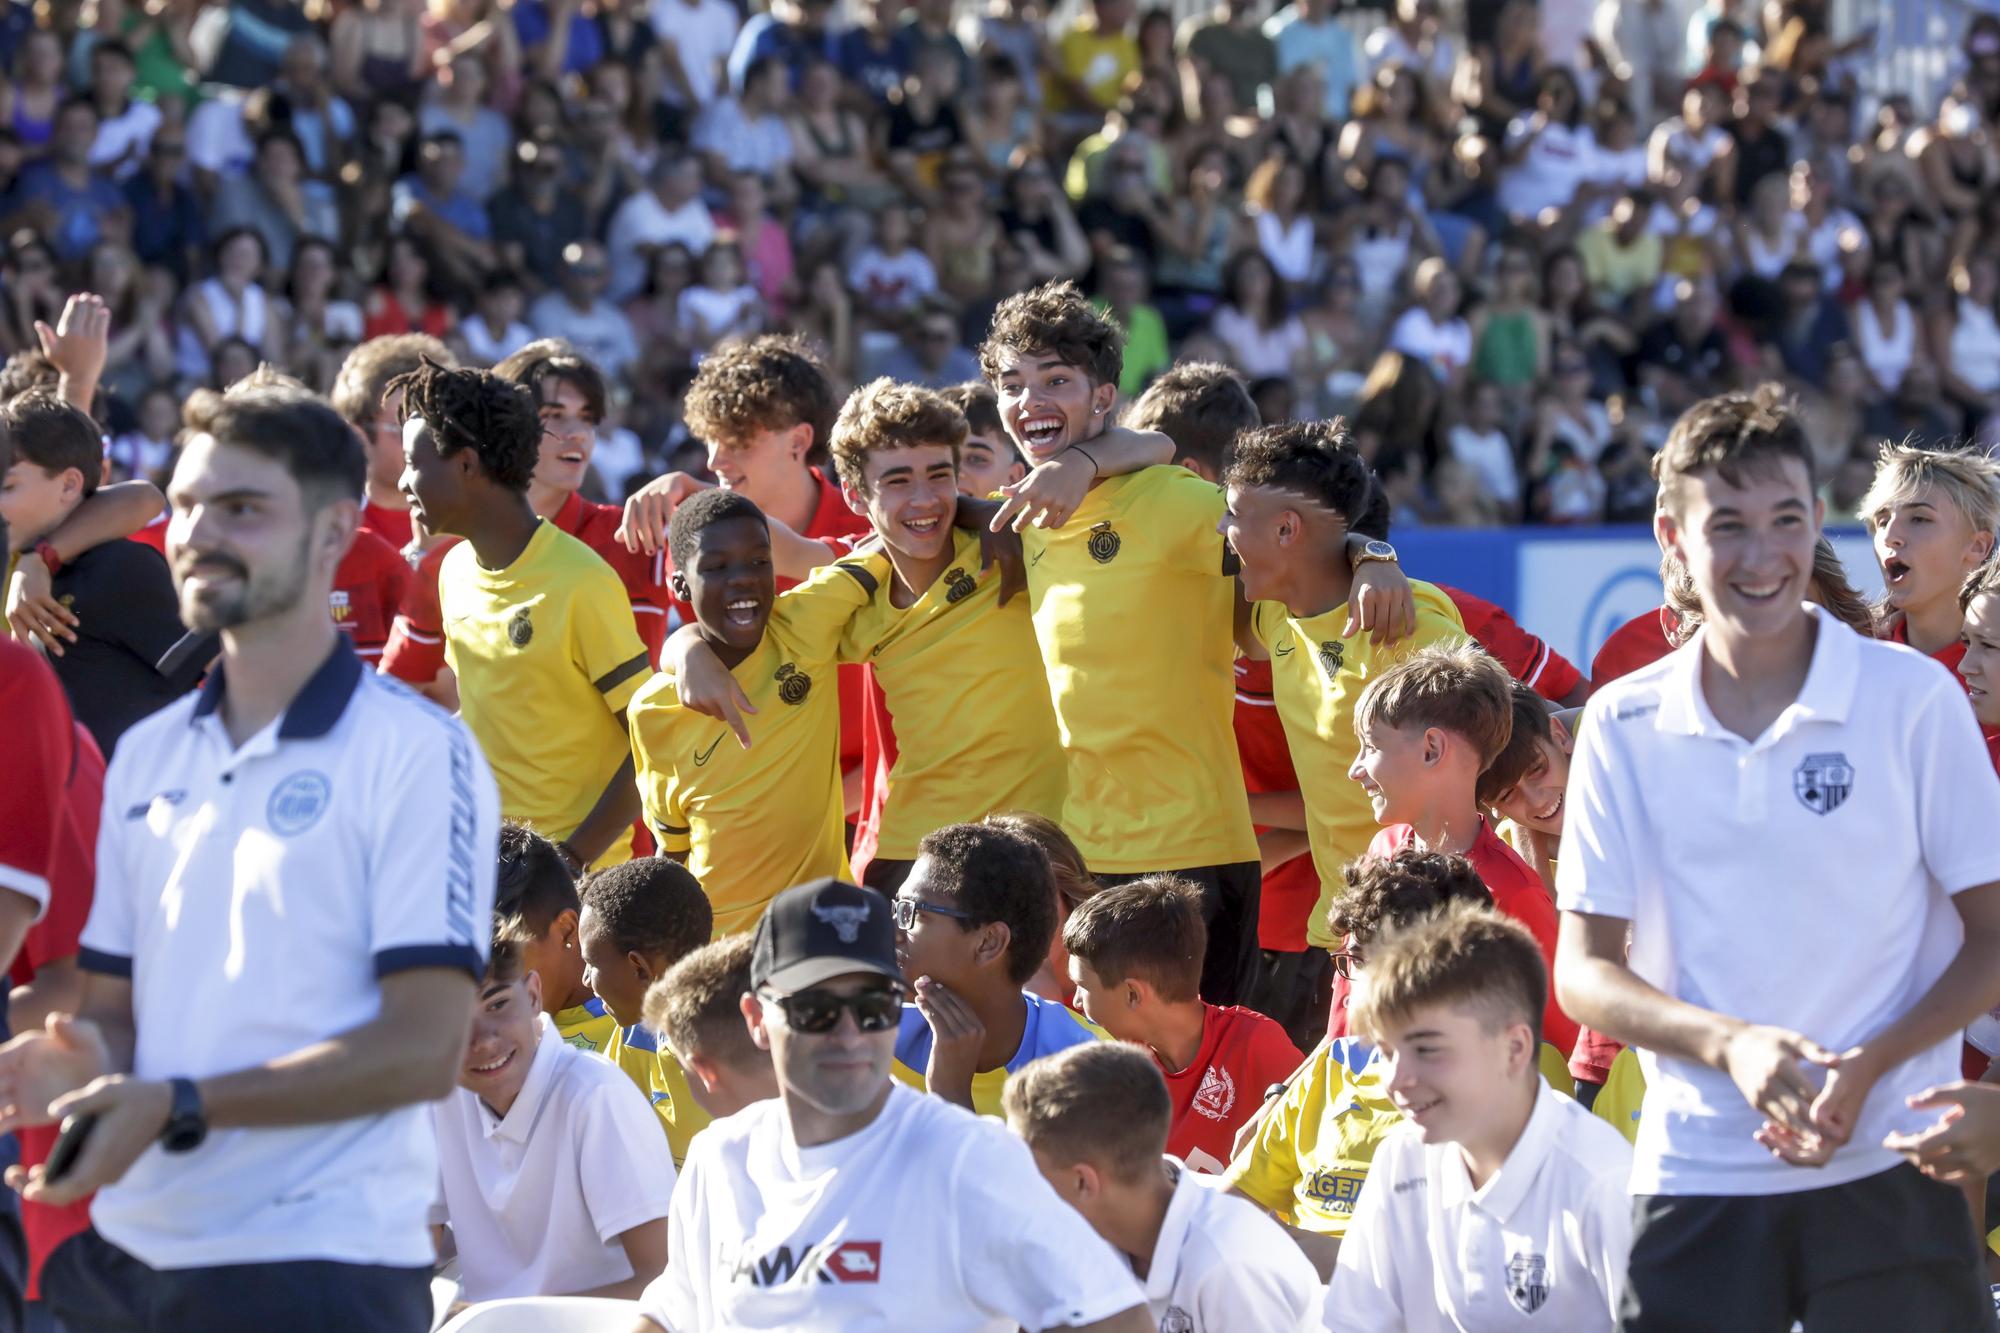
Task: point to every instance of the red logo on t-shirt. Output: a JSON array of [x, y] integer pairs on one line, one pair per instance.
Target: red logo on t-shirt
[[856, 1261]]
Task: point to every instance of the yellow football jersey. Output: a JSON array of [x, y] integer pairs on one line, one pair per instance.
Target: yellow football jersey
[[653, 1067], [1316, 678], [1624, 1091], [546, 657], [963, 682], [588, 1026], [1133, 601], [1050, 1027], [754, 822]]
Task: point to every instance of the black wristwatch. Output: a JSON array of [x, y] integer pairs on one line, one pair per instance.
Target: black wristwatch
[[186, 1126]]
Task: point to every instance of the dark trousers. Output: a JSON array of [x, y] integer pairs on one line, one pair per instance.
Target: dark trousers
[[1296, 989], [1229, 895], [91, 1284], [1893, 1250]]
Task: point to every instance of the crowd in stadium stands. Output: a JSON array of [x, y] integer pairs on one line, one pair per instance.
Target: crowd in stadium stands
[[778, 694], [1510, 242]]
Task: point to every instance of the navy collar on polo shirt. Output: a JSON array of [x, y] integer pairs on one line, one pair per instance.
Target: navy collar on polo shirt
[[318, 704]]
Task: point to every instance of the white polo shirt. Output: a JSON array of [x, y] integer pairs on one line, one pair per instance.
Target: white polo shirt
[[537, 1198], [1541, 1245], [1803, 879], [1221, 1263], [255, 896], [929, 1218]]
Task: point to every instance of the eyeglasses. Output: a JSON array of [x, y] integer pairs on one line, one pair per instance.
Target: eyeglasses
[[817, 1011], [1346, 963], [906, 909]]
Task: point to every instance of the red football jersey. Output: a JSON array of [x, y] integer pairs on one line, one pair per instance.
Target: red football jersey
[[367, 589], [1517, 891], [391, 525], [644, 576], [1950, 655], [41, 751], [1289, 891], [154, 534], [1638, 642], [1242, 1053], [1590, 1060], [415, 653], [1527, 659]]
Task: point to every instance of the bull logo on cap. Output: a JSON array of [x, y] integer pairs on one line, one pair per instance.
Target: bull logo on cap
[[845, 918], [1823, 782]]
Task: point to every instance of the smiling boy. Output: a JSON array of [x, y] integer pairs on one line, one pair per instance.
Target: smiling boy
[[988, 460], [749, 821], [1778, 1043], [1933, 515], [1979, 663]]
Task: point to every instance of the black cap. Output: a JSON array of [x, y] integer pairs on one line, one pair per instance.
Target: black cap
[[823, 929]]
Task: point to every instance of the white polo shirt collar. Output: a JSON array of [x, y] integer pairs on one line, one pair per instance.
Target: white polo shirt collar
[[313, 710], [519, 1122], [1826, 696], [1165, 1265], [1504, 1193]]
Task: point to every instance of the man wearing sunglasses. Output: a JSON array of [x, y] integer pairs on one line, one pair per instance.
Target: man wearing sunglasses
[[852, 1201]]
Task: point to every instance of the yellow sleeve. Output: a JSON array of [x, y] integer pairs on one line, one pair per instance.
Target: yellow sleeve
[[603, 643], [1187, 509], [659, 791], [1267, 1170], [813, 617]]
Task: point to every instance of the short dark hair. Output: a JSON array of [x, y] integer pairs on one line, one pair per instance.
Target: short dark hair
[[697, 1005], [1102, 1102], [1202, 407], [1735, 435], [555, 359], [111, 46], [980, 407], [1058, 319], [701, 511], [1465, 955], [768, 383], [1457, 687], [1149, 928], [24, 371], [475, 409], [54, 436], [1386, 893], [998, 875], [650, 905], [1308, 458], [296, 429], [533, 885], [1517, 757], [504, 964]]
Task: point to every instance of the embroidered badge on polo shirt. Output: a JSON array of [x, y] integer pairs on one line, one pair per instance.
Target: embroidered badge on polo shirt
[[1528, 1282], [1823, 782], [297, 803]]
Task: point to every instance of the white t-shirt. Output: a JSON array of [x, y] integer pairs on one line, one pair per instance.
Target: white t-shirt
[[1556, 160], [1445, 347], [1490, 457], [703, 31], [538, 1198], [123, 140], [929, 1218], [1541, 1245], [1803, 879], [643, 223], [1222, 1264]]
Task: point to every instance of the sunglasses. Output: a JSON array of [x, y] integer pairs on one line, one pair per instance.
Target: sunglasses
[[905, 911], [818, 1011]]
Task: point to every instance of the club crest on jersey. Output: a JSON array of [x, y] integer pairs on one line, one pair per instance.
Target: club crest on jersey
[[341, 604], [1103, 544], [958, 585], [520, 629], [845, 918], [1332, 652], [297, 803], [793, 684], [1528, 1282], [1216, 1094], [1823, 782], [1176, 1320]]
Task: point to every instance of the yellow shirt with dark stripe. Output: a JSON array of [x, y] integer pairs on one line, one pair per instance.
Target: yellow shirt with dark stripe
[[546, 657], [1317, 676], [963, 682], [754, 822], [587, 1026], [1133, 601], [653, 1067]]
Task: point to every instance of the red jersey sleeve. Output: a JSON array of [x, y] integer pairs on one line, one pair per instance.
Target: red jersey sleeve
[[644, 576], [74, 877], [415, 652], [41, 747], [1290, 891], [154, 534], [367, 590], [1638, 642], [1519, 892], [1527, 658]]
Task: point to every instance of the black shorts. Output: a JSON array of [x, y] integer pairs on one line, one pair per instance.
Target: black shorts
[[886, 877], [1297, 990], [91, 1284], [1229, 896], [1894, 1250]]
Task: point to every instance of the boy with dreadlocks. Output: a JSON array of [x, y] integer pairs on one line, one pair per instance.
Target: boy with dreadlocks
[[538, 631]]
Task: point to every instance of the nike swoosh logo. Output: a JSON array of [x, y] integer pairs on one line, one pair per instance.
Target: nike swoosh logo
[[1038, 557], [1286, 651], [701, 756]]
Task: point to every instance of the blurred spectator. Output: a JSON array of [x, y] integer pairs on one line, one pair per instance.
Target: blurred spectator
[[580, 313], [1623, 254], [1965, 339], [793, 31], [407, 296], [1885, 326], [1228, 43], [494, 331], [230, 305], [1810, 325], [1122, 294], [125, 125], [31, 97], [1682, 357], [930, 352], [670, 211], [1306, 34], [1275, 201], [435, 206], [695, 37], [1093, 59], [377, 50], [1481, 447], [459, 107], [1432, 330], [890, 276], [1254, 321], [720, 304], [535, 218], [1912, 413], [321, 327], [747, 132], [276, 200], [69, 202]]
